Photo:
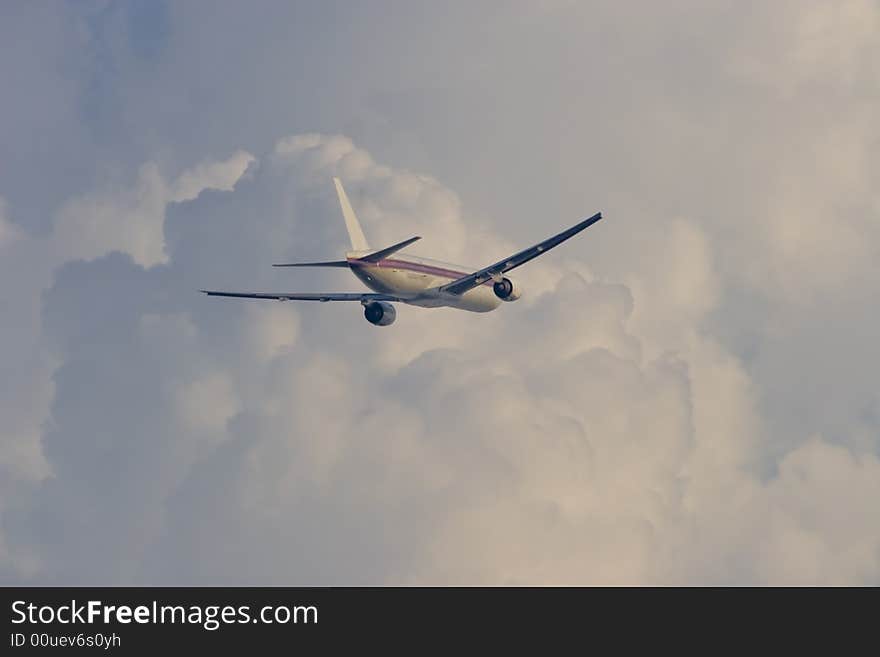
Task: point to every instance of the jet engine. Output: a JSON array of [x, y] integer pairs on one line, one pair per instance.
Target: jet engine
[[380, 313], [507, 290]]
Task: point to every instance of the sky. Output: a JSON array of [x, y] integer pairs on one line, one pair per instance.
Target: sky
[[687, 393]]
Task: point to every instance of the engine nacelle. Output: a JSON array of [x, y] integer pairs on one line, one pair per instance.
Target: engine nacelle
[[380, 313], [507, 290]]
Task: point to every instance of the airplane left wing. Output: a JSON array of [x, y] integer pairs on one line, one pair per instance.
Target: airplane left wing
[[363, 297], [465, 283]]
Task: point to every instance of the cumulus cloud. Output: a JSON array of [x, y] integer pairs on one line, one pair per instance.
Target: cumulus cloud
[[25, 391], [9, 232], [209, 174], [131, 220], [555, 441]]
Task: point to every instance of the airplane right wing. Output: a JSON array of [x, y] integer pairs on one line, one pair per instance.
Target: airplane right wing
[[465, 283], [363, 297]]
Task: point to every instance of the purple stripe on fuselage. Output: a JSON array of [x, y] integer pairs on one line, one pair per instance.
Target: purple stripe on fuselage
[[390, 263]]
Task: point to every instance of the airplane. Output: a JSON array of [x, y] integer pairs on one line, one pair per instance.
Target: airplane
[[415, 281]]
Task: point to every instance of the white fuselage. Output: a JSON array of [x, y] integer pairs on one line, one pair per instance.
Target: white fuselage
[[415, 280]]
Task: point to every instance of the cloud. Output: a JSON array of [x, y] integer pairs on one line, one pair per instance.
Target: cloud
[[220, 175], [132, 220], [546, 443], [9, 232], [26, 390], [684, 395], [809, 537]]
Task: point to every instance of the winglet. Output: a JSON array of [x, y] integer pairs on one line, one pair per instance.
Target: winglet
[[358, 241]]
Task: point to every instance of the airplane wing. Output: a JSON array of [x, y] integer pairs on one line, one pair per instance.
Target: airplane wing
[[465, 283], [307, 296]]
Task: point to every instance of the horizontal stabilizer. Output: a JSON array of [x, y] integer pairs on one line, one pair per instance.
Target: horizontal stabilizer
[[329, 263], [381, 254]]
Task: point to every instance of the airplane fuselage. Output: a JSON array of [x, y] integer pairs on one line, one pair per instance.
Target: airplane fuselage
[[397, 278], [416, 281]]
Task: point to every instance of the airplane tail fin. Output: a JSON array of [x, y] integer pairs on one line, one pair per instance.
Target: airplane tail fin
[[358, 241]]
